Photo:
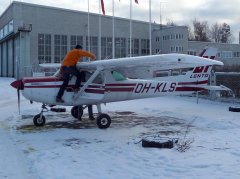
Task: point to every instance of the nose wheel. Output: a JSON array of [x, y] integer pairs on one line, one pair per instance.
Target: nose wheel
[[39, 119]]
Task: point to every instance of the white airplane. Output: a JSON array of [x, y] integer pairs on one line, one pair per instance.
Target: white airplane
[[106, 82]]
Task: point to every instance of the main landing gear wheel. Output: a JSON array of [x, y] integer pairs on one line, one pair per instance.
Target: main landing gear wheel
[[39, 120], [77, 112], [103, 121]]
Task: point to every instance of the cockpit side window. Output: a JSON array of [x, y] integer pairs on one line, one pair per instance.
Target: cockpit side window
[[118, 76], [97, 80]]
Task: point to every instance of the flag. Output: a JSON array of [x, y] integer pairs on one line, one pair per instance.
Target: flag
[[103, 9], [136, 1]]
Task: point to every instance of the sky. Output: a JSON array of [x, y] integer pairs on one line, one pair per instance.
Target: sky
[[181, 12]]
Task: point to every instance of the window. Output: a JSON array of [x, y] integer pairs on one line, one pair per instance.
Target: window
[[145, 46], [227, 54], [97, 80], [135, 47], [93, 45], [236, 54], [1, 33], [44, 48], [120, 47], [191, 52], [118, 76], [106, 47], [157, 51], [60, 47], [75, 40], [10, 26], [160, 73]]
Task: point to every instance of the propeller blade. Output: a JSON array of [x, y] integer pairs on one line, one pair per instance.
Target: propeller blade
[[18, 84], [18, 94]]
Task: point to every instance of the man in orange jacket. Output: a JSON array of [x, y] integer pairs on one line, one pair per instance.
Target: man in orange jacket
[[69, 68]]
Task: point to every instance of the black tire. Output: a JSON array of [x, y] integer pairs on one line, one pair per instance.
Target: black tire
[[38, 121], [168, 144], [77, 112], [234, 109], [103, 121]]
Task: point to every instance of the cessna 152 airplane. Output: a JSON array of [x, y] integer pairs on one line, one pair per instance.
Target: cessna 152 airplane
[[110, 81]]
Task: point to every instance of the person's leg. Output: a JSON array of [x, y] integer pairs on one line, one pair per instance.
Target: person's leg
[[90, 112], [65, 83], [78, 75]]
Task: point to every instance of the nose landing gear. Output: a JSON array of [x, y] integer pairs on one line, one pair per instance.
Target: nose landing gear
[[39, 119]]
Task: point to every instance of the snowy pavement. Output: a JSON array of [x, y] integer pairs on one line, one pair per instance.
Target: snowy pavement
[[66, 148]]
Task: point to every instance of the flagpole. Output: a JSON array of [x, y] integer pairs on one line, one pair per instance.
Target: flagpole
[[113, 32], [88, 29], [130, 45], [150, 29], [100, 33]]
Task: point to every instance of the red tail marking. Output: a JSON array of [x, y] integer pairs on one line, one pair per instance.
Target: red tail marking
[[212, 57], [198, 69], [206, 69]]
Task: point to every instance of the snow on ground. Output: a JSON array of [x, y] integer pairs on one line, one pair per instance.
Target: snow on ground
[[66, 148]]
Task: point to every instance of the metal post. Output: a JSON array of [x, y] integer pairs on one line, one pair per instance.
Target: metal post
[[113, 33], [150, 28]]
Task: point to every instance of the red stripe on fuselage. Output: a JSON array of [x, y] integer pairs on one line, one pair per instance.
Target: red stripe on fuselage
[[119, 89], [94, 91], [189, 89], [119, 84], [90, 89], [44, 86], [193, 83], [41, 79]]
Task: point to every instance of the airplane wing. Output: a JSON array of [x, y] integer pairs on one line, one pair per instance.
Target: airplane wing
[[163, 62], [133, 66]]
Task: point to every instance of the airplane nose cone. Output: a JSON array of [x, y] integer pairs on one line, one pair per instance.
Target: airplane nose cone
[[18, 84]]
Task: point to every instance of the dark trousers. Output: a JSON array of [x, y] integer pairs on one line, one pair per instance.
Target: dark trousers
[[90, 111], [66, 73]]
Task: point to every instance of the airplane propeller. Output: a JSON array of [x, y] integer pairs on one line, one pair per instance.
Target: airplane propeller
[[18, 84]]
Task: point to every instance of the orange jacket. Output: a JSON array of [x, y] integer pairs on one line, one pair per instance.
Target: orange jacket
[[74, 56]]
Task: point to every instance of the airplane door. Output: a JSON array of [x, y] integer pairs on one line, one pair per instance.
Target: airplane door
[[92, 88]]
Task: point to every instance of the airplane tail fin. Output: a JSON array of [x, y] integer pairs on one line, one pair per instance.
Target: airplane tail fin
[[209, 52]]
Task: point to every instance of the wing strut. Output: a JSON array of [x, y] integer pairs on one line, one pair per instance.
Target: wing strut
[[90, 80]]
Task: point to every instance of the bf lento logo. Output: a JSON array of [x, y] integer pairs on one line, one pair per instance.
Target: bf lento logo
[[200, 72]]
